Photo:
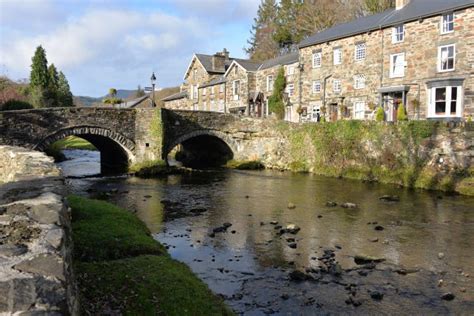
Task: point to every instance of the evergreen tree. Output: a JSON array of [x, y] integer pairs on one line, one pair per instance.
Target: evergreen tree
[[262, 46], [276, 103], [53, 85], [39, 76], [286, 34], [64, 91]]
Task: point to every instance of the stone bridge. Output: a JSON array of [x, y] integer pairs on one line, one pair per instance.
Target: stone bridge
[[125, 136]]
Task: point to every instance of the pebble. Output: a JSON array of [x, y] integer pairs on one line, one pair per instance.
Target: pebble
[[379, 228], [440, 283], [291, 206], [349, 205], [374, 240], [441, 255], [293, 245], [376, 295]]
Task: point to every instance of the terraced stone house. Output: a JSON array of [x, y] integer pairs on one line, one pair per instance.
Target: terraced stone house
[[419, 54]]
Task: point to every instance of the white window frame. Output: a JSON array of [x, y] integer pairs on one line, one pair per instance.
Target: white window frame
[[446, 24], [459, 102], [359, 110], [212, 90], [221, 88], [316, 86], [440, 61], [221, 106], [337, 86], [359, 81], [270, 83], [236, 89], [290, 89], [291, 70], [398, 34], [393, 72], [204, 92], [317, 59], [337, 56], [360, 52]]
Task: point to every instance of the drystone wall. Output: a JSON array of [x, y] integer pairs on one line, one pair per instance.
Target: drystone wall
[[35, 236]]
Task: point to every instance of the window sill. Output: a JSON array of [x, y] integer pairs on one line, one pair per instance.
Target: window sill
[[446, 33], [395, 76], [448, 70]]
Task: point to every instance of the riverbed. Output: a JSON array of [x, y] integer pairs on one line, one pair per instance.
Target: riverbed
[[238, 231]]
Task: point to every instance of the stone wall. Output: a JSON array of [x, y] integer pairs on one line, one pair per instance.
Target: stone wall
[[35, 236]]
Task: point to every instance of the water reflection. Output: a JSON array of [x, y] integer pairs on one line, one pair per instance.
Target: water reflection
[[249, 263]]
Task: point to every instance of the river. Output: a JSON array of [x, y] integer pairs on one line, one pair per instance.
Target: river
[[426, 239]]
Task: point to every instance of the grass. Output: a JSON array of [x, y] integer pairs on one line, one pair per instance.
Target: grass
[[121, 269], [70, 142], [245, 165], [153, 168]]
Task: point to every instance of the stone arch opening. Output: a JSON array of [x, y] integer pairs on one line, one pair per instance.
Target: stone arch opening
[[116, 151], [202, 149]]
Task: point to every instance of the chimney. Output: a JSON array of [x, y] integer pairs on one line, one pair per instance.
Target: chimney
[[400, 4], [219, 59]]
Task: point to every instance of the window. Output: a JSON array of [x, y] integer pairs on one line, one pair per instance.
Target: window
[[236, 89], [445, 102], [447, 23], [195, 92], [337, 56], [269, 83], [317, 59], [398, 34], [359, 110], [212, 90], [221, 88], [359, 81], [204, 91], [291, 70], [290, 89], [397, 65], [316, 86], [360, 51], [336, 86], [213, 105], [446, 58], [221, 106]]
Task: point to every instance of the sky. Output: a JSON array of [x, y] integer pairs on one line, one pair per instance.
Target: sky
[[102, 44]]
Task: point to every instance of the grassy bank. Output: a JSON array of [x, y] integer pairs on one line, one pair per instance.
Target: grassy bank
[[245, 165], [70, 142], [121, 269]]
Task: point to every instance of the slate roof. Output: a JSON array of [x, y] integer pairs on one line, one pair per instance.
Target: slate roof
[[213, 82], [414, 10], [176, 96], [248, 64], [281, 60]]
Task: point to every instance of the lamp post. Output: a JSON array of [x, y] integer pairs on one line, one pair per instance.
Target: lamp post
[[153, 79]]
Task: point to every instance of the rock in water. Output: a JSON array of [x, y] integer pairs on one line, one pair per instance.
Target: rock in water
[[441, 255], [376, 295], [359, 259], [298, 276], [448, 296], [331, 204], [292, 229], [379, 228], [390, 198], [349, 205], [291, 206], [292, 245]]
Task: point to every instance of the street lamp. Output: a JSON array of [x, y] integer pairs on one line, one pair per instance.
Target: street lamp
[[153, 79]]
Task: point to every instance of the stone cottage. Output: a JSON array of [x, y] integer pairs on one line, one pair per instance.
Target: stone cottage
[[419, 54]]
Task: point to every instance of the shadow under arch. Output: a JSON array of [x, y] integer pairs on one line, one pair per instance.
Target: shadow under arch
[[116, 151], [203, 149]]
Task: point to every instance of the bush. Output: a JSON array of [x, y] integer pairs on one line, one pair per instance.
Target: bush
[[401, 113], [380, 115], [12, 105]]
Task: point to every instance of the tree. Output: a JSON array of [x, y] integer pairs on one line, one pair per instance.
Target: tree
[[380, 114], [276, 103], [53, 85], [65, 97], [112, 99], [39, 76], [112, 92], [286, 35], [139, 93], [262, 46], [376, 6]]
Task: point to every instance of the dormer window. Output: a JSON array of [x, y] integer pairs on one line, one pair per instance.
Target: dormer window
[[447, 23], [398, 34]]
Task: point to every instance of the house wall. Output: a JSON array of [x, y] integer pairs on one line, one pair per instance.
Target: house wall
[[247, 84], [179, 104], [209, 94], [421, 43], [201, 77]]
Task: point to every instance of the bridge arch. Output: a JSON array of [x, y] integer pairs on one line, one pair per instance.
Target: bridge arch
[[224, 145], [116, 150]]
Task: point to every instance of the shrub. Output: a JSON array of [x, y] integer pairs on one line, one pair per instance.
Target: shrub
[[401, 114], [12, 105], [380, 115]]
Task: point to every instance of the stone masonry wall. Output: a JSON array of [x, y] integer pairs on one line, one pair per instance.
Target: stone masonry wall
[[35, 236]]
